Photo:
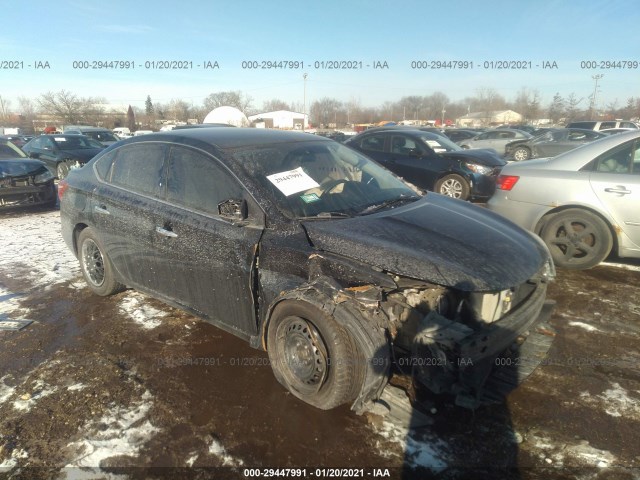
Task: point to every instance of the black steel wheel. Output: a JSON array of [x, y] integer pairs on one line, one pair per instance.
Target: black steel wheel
[[313, 356], [453, 186], [95, 265], [577, 239]]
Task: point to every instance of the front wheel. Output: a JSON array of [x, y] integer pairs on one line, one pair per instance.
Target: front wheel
[[313, 356], [577, 239], [62, 170], [453, 186], [95, 265]]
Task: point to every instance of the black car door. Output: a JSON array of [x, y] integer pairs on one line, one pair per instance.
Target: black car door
[[411, 159], [124, 211], [208, 256]]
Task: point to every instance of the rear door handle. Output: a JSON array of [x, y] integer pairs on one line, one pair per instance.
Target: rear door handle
[[101, 210], [166, 233], [618, 189]]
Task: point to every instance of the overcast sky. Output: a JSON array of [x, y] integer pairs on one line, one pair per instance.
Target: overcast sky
[[317, 34]]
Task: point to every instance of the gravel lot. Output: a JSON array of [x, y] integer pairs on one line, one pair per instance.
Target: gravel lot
[[116, 387]]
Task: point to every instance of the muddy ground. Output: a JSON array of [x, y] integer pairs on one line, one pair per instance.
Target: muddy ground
[[118, 387]]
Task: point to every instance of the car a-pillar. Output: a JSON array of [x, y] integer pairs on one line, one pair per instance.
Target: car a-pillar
[[324, 349]]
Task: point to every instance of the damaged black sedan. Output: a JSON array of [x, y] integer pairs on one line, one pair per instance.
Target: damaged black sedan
[[24, 182], [314, 253]]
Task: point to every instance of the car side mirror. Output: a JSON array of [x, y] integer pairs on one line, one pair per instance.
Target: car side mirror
[[233, 209], [34, 155]]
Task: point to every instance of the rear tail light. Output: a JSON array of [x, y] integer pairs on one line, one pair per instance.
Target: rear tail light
[[506, 182], [62, 187]]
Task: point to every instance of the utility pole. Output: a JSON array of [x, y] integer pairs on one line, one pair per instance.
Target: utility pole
[[304, 102], [594, 97]]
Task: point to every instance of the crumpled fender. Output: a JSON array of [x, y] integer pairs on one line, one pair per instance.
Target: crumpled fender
[[368, 331]]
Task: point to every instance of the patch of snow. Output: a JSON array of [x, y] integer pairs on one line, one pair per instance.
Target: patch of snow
[[586, 326], [33, 249], [5, 390], [575, 455], [29, 399], [217, 449], [418, 452], [12, 461], [616, 402], [75, 387], [625, 266], [144, 315], [121, 431], [192, 459]]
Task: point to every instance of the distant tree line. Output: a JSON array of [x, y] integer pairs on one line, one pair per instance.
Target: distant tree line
[[64, 107]]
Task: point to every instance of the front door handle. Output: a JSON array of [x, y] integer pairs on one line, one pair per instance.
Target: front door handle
[[166, 233], [619, 189], [101, 210]]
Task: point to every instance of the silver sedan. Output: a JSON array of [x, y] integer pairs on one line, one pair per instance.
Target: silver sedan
[[584, 203]]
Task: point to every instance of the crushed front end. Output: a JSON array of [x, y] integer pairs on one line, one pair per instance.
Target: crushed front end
[[476, 346]]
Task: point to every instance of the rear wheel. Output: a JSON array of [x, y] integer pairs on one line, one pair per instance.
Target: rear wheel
[[577, 239], [453, 186], [521, 153], [313, 356], [95, 265]]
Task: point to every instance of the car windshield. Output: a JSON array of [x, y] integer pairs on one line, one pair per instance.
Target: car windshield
[[322, 179], [102, 136], [76, 142], [439, 143], [9, 150]]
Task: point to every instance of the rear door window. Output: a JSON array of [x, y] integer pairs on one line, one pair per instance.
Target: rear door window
[[139, 168]]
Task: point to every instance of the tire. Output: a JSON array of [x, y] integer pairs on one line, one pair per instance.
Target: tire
[[96, 267], [521, 153], [313, 356], [453, 186], [577, 239], [62, 170]]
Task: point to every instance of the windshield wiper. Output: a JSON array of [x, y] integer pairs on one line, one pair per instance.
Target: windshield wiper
[[323, 215], [389, 203]]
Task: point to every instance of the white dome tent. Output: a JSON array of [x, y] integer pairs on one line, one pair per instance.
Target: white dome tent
[[229, 115]]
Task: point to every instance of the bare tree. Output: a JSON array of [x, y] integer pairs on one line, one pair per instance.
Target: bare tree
[[274, 105], [5, 106], [572, 111], [68, 108], [178, 110], [232, 99], [324, 111]]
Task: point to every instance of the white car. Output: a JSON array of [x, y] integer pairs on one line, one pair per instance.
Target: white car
[[584, 203]]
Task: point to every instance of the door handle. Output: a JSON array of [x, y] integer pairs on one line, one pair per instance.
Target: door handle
[[166, 233], [101, 210], [619, 189]]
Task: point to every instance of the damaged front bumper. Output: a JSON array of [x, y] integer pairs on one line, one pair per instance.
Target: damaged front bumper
[[481, 366]]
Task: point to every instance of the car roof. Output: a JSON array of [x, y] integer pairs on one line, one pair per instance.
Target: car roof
[[576, 157], [224, 138], [87, 128]]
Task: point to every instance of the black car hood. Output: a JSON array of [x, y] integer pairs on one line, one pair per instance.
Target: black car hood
[[83, 154], [439, 240], [483, 156], [18, 167]]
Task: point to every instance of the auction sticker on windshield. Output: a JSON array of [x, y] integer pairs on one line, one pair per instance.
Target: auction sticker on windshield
[[292, 181]]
